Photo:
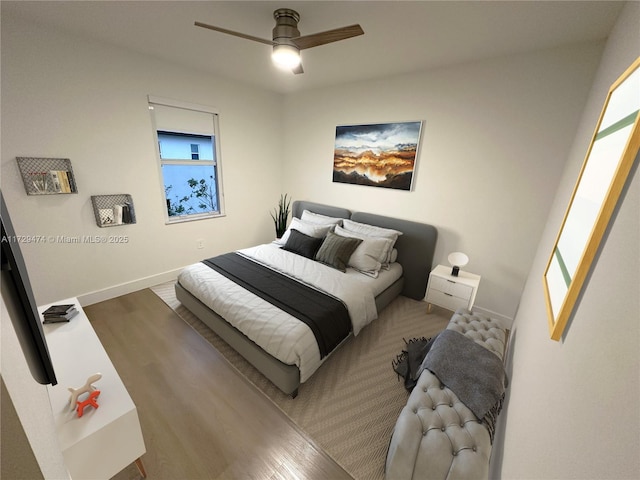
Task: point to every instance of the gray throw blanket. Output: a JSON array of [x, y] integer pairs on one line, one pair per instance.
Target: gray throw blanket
[[408, 364], [472, 372]]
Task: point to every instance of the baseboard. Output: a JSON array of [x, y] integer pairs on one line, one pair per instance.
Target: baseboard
[[128, 287], [504, 320]]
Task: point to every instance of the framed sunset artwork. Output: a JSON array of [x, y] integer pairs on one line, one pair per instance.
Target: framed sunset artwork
[[377, 155]]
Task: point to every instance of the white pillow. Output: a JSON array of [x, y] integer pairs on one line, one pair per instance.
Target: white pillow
[[313, 230], [318, 219], [369, 254], [370, 230], [373, 231], [392, 259]]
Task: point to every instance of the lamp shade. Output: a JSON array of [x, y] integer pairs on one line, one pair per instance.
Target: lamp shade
[[457, 260], [286, 56]]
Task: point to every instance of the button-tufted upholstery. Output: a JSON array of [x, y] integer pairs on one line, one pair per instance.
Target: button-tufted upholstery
[[436, 435], [483, 330]]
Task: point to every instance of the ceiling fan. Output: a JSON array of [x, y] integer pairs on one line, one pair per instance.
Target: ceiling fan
[[287, 41]]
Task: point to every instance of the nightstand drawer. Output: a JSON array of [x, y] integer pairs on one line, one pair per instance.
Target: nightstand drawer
[[446, 301], [452, 288]]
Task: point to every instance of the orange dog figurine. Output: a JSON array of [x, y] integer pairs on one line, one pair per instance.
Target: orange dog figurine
[[90, 401], [86, 388]]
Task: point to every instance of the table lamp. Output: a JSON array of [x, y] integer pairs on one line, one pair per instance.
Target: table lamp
[[457, 260]]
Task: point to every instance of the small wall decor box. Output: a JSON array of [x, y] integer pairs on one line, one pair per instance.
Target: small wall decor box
[[47, 176], [113, 210]]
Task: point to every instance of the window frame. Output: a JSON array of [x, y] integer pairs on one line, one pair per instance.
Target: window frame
[[195, 151], [216, 163]]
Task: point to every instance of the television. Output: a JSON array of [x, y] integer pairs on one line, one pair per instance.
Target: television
[[20, 302]]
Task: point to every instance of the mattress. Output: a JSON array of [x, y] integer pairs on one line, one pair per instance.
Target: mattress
[[278, 333]]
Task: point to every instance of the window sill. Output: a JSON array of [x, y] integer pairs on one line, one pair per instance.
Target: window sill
[[193, 218]]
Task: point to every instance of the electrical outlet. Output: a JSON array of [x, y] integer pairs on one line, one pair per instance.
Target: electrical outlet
[[200, 243]]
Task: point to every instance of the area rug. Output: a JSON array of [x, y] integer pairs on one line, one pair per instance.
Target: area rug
[[350, 405]]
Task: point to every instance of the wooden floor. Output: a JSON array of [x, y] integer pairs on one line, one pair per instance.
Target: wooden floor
[[200, 419]]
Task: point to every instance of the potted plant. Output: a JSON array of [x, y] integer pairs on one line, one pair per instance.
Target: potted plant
[[280, 215]]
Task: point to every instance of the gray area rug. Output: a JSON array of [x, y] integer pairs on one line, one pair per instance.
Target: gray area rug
[[350, 405]]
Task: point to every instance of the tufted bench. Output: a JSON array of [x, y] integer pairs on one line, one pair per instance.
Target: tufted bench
[[437, 436]]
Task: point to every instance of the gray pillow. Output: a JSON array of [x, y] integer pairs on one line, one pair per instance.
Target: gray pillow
[[335, 251], [302, 244]]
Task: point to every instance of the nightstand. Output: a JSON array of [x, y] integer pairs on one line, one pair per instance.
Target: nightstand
[[451, 292]]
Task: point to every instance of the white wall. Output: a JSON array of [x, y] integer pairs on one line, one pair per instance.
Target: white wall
[[573, 408], [69, 97], [495, 137]]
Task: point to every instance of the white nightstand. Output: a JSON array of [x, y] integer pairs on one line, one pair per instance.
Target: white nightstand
[[451, 292]]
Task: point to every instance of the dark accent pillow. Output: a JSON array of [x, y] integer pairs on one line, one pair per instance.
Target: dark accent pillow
[[302, 244], [335, 251]]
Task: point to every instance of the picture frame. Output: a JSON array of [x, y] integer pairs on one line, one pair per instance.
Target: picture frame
[[610, 157], [378, 155]]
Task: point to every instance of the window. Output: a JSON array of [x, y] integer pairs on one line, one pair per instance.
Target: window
[[188, 159]]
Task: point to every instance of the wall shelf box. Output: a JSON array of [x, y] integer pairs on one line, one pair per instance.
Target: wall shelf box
[[113, 210], [47, 176]]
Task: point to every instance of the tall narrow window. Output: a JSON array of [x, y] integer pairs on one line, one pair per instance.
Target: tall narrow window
[[195, 153], [189, 159]]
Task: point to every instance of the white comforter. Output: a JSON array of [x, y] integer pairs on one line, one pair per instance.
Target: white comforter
[[278, 333]]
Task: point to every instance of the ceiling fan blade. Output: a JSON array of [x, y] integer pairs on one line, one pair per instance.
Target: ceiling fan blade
[[236, 34], [329, 36], [298, 70]]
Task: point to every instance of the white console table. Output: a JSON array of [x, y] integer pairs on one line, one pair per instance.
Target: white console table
[[105, 439]]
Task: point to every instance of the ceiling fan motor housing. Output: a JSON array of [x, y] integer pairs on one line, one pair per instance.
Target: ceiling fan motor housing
[[286, 26]]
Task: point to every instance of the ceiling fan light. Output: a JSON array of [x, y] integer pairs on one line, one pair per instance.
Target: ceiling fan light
[[286, 56]]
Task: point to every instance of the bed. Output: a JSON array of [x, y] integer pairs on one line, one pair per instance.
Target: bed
[[280, 346]]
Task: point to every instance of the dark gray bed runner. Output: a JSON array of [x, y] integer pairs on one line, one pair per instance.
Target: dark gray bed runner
[[327, 316]]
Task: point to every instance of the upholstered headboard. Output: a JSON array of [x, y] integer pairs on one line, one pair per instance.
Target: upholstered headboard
[[415, 249], [300, 205], [415, 246]]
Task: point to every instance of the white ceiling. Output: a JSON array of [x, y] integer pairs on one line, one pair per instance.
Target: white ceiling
[[400, 36]]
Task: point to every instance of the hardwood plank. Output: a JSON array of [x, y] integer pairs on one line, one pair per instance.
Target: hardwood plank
[[200, 418]]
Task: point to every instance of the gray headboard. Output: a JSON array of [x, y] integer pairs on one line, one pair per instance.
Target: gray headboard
[[299, 206], [416, 246]]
